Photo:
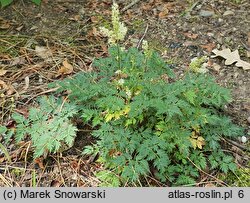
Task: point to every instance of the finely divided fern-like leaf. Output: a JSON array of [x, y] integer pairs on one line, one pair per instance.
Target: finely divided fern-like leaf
[[48, 125]]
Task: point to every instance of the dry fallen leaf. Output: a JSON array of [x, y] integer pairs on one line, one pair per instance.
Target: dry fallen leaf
[[55, 183], [243, 64], [19, 28], [8, 88], [94, 19], [27, 82], [2, 72], [248, 54], [209, 47], [17, 61], [66, 69], [231, 57], [4, 24], [39, 162], [216, 67], [3, 85], [43, 52], [210, 185], [190, 35], [163, 13], [248, 39], [248, 44], [76, 18]]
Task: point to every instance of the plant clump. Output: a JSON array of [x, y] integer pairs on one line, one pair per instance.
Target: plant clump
[[145, 120]]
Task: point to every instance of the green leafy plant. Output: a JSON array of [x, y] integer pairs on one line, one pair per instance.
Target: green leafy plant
[[237, 178], [48, 125], [108, 178], [8, 2], [144, 118]]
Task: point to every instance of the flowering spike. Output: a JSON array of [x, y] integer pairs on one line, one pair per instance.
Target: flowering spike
[[119, 30]]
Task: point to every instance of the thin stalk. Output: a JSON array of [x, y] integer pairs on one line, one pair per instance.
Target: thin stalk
[[119, 56]]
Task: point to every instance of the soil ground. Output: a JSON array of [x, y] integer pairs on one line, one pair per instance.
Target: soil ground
[[35, 40]]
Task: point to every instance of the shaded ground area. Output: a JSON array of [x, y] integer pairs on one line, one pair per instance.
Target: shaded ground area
[[35, 41]]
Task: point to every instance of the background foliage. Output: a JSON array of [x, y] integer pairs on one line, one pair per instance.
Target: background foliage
[[8, 2]]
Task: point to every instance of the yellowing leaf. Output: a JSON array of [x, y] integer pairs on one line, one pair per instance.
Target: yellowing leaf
[[194, 134], [196, 128], [126, 109], [198, 141], [117, 114], [109, 117], [130, 121], [193, 142]]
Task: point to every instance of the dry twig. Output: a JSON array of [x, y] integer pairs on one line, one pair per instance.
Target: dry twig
[[143, 36], [130, 5]]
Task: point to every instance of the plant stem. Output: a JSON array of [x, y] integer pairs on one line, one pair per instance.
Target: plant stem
[[119, 56]]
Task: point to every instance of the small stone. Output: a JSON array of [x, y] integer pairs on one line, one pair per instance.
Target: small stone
[[248, 119], [236, 74], [243, 139], [220, 20], [40, 80], [198, 7], [210, 34], [227, 13], [33, 27], [206, 13], [216, 67], [240, 82], [248, 54], [74, 176]]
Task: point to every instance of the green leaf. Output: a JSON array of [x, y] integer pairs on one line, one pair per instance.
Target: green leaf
[[190, 95], [142, 167], [8, 135], [199, 159], [88, 150], [108, 179], [48, 125], [184, 180], [18, 118], [162, 162], [232, 167], [128, 173], [3, 129], [213, 162], [224, 167], [5, 2], [5, 151], [227, 159], [37, 2]]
